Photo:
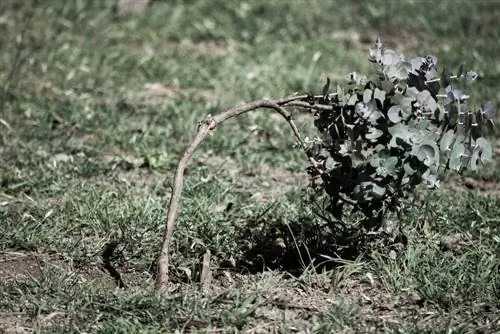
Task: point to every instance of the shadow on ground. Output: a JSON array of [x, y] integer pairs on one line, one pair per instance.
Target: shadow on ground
[[305, 243]]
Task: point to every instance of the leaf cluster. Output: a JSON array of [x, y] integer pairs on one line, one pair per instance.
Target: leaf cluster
[[385, 136]]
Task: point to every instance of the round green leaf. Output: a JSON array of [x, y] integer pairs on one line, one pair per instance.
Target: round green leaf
[[367, 95], [447, 140], [425, 101], [401, 131], [412, 92], [394, 114], [378, 191], [387, 166], [488, 109], [330, 163], [373, 134], [428, 153], [456, 156], [484, 149], [352, 100], [379, 95]]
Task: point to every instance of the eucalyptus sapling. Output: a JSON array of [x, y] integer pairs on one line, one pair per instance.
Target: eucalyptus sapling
[[378, 138]]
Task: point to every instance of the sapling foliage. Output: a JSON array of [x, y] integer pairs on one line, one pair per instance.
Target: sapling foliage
[[385, 136], [378, 139]]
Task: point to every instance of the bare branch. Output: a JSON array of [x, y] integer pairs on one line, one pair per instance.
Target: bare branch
[[307, 105], [204, 128]]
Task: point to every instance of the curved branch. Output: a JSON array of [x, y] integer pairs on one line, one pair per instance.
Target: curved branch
[[204, 128], [307, 105]]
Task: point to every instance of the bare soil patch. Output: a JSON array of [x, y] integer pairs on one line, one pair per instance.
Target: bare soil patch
[[14, 323], [485, 186], [279, 302], [293, 304], [481, 184], [19, 265]]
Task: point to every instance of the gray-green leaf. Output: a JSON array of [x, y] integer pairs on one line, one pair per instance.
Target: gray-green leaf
[[447, 140], [428, 153], [484, 148], [394, 114], [367, 95], [456, 156], [488, 109]]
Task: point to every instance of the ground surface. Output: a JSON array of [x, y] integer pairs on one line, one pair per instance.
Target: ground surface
[[97, 105]]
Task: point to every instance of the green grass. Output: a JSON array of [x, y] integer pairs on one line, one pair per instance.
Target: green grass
[[87, 154]]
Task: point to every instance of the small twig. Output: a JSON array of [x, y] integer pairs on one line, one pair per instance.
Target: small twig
[[204, 128], [348, 200], [206, 274], [295, 130]]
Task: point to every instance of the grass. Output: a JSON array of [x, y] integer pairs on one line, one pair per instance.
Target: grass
[[97, 106]]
